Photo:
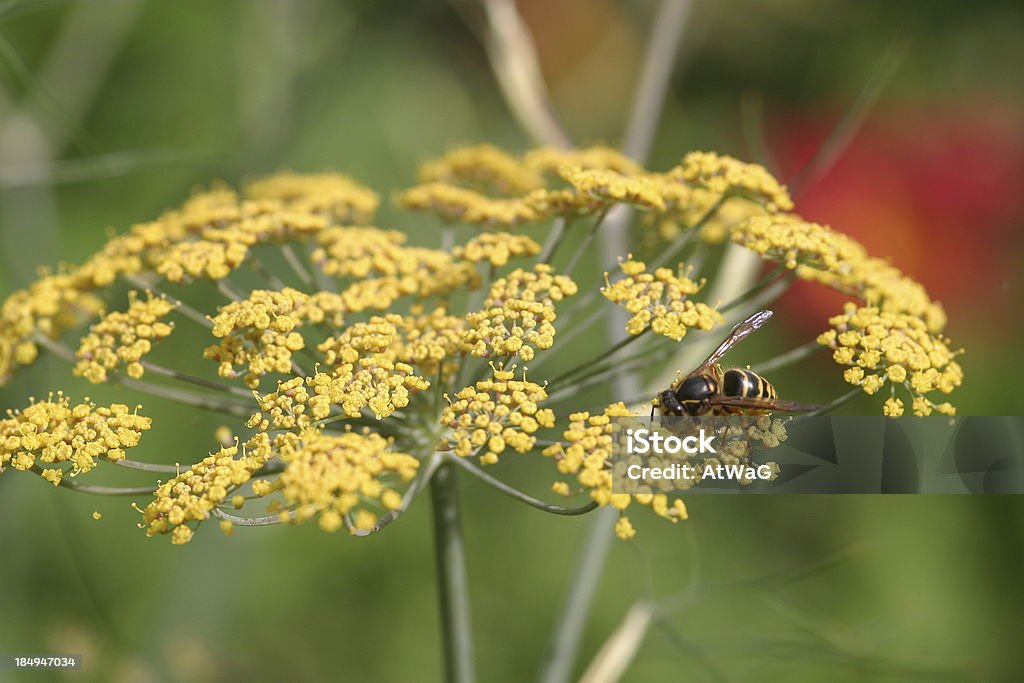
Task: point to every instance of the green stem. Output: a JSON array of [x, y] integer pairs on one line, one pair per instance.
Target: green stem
[[198, 381], [845, 398], [517, 494], [790, 357], [555, 238], [684, 237], [597, 359], [182, 308], [584, 243], [561, 655], [453, 584], [296, 264], [99, 490]]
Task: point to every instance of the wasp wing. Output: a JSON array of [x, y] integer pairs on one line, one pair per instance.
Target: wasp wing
[[774, 405], [738, 334]]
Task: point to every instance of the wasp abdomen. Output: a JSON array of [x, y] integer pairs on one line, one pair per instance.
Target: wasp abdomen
[[746, 384]]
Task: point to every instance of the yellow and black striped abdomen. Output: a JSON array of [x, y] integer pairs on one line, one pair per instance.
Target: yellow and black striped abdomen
[[747, 384]]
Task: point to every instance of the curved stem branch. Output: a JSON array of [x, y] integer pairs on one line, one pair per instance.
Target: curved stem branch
[[845, 398], [519, 495], [99, 490]]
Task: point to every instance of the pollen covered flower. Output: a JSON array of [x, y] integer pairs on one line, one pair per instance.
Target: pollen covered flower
[[659, 301], [614, 188], [331, 476], [725, 175], [53, 431], [484, 168], [259, 334], [193, 494], [50, 305], [496, 248], [421, 340], [122, 338], [518, 314], [385, 270], [333, 195], [795, 242], [456, 204], [549, 160], [586, 454], [879, 347], [822, 255], [494, 415]]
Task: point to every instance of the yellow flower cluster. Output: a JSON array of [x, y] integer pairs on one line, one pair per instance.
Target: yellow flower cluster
[[47, 307], [725, 175], [122, 338], [611, 187], [795, 242], [483, 186], [453, 204], [386, 270], [518, 313], [659, 301], [373, 381], [258, 333], [699, 208], [193, 494], [331, 476], [333, 195], [484, 168], [550, 160], [880, 347], [209, 236], [53, 431], [823, 255], [496, 414], [586, 454], [496, 248], [422, 340]]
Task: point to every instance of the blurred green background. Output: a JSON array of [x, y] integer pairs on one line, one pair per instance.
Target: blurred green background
[[111, 111]]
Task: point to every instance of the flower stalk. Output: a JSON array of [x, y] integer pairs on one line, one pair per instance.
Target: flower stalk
[[452, 580]]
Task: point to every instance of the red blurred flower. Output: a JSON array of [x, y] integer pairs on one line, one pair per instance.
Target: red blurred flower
[[939, 193]]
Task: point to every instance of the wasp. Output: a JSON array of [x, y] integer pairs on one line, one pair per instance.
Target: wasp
[[710, 390]]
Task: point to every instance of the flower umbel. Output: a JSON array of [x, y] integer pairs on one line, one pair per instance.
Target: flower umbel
[[659, 301], [897, 349]]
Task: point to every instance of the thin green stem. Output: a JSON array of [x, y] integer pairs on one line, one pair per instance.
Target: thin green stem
[[453, 583], [185, 397], [181, 396], [265, 273], [517, 494], [621, 344], [147, 466], [790, 357], [265, 520], [584, 243], [684, 237], [414, 489], [845, 398], [555, 238], [198, 381], [182, 308], [296, 265], [229, 292], [66, 483]]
